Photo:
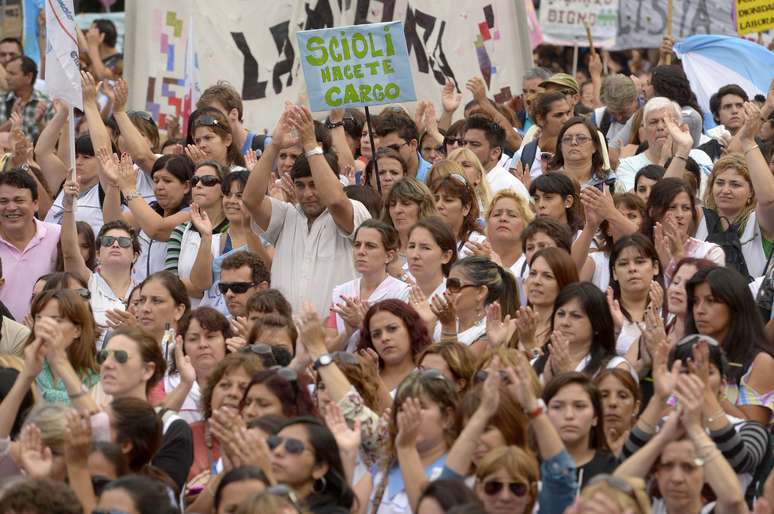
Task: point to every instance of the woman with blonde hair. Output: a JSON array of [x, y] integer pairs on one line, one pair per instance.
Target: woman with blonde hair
[[475, 173], [506, 218]]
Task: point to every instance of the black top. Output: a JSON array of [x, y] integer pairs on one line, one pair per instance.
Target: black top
[[602, 462], [176, 453]]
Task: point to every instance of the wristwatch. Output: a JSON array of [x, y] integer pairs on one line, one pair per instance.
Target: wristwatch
[[317, 150], [330, 125], [323, 360], [540, 406]]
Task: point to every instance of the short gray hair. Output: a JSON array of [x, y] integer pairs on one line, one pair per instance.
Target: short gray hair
[[537, 73], [618, 91], [659, 102]]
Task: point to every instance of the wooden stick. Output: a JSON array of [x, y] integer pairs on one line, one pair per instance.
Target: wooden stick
[[669, 27], [590, 37]]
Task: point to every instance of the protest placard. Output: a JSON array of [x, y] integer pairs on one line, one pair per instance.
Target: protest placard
[[256, 50], [754, 15], [356, 66], [562, 22]]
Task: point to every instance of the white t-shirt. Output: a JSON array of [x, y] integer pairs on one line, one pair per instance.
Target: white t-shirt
[[500, 178], [103, 298], [629, 166]]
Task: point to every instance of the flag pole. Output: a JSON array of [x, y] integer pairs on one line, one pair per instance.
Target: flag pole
[[71, 141], [669, 27]]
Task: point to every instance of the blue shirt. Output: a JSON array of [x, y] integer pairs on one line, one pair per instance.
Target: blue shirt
[[248, 142]]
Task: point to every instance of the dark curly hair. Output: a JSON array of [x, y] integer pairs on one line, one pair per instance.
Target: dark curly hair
[[418, 336]]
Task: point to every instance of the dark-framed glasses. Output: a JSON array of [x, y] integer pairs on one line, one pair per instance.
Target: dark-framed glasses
[[123, 241], [206, 180], [493, 487], [120, 356]]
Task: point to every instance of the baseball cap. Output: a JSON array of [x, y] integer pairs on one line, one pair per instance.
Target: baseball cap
[[562, 80]]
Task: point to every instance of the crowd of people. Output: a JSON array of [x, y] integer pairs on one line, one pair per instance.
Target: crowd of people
[[561, 304]]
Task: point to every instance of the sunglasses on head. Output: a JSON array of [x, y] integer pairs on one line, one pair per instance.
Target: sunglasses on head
[[288, 374], [237, 287], [207, 180], [123, 241], [292, 445], [146, 116], [207, 121], [494, 487], [454, 285], [120, 356]]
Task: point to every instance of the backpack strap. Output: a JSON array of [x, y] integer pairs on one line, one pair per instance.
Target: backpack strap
[[605, 122], [528, 155]]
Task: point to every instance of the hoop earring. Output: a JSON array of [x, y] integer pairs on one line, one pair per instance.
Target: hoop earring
[[319, 485]]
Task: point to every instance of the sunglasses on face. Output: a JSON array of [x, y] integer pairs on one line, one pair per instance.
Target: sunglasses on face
[[494, 487], [458, 141], [123, 241], [453, 285], [207, 180], [292, 445], [237, 287], [120, 356]]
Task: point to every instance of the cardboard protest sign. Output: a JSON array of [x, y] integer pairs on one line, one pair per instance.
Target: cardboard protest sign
[[356, 66], [754, 15], [562, 22]]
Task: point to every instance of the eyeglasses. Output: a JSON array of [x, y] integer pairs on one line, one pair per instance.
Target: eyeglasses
[[568, 92], [494, 487], [207, 180], [237, 287], [120, 356], [581, 139], [453, 285], [459, 178], [292, 445], [123, 241], [207, 121], [455, 141], [482, 374]]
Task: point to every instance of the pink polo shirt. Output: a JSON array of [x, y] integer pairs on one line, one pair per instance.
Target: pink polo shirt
[[21, 269]]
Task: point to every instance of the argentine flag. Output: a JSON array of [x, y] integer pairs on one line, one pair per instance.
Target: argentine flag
[[711, 62]]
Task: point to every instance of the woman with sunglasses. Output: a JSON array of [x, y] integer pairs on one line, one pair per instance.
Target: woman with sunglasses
[[200, 346], [212, 138], [409, 201], [550, 270], [507, 476], [392, 168], [171, 176], [276, 392], [579, 153], [193, 245], [474, 283], [374, 247], [394, 330], [65, 323], [305, 457], [131, 366], [582, 334], [721, 306], [117, 250], [457, 205], [422, 429]]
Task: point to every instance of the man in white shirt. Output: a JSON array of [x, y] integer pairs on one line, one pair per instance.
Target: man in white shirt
[[485, 138], [654, 130], [313, 238]]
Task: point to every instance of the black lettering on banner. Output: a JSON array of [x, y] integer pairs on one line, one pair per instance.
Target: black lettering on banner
[[363, 9], [281, 35], [647, 17], [413, 42], [321, 17], [701, 20], [252, 89]]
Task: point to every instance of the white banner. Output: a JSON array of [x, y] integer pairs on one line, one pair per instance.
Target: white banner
[[252, 45], [63, 77], [563, 22]]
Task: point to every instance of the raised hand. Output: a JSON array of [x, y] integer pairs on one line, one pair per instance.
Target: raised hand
[[200, 219], [595, 206], [78, 438], [409, 421], [450, 98], [681, 137], [419, 115], [35, 457], [699, 363], [595, 65], [664, 380], [88, 87], [559, 360], [348, 439], [370, 361], [288, 188], [490, 395], [499, 330], [251, 159], [195, 154], [70, 192], [240, 326], [183, 363], [477, 86], [443, 309], [615, 311], [752, 123], [109, 163], [34, 354], [119, 318], [300, 119], [121, 94], [519, 384], [284, 135], [689, 392], [127, 179], [653, 332], [311, 331], [352, 310], [526, 326], [418, 300]]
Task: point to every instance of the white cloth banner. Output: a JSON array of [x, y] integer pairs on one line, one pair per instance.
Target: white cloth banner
[[563, 22], [253, 46], [63, 77]]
